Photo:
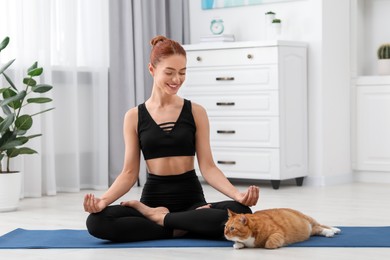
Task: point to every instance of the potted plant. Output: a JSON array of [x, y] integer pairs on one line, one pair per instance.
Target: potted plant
[[269, 17], [384, 59], [14, 126]]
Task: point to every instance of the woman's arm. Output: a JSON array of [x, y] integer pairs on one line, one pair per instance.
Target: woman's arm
[[130, 172], [211, 173]]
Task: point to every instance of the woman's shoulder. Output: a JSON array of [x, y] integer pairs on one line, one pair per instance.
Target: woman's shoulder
[[197, 107], [198, 111], [132, 112], [131, 115]]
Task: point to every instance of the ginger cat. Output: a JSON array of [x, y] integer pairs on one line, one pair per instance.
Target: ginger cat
[[273, 228]]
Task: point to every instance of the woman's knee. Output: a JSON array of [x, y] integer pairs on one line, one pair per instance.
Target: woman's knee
[[233, 206], [240, 208], [95, 225]]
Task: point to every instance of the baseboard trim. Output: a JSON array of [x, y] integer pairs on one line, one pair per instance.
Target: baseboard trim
[[328, 180], [372, 177]]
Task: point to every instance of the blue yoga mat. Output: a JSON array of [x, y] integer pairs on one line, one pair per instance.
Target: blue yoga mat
[[66, 238]]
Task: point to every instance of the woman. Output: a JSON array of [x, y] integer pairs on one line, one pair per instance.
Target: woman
[[168, 130]]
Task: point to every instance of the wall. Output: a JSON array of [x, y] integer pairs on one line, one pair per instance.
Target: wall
[[335, 92], [247, 23], [324, 25], [372, 31]]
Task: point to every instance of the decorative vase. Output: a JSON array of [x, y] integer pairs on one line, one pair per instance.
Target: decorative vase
[[10, 186], [277, 29], [384, 66], [269, 18]]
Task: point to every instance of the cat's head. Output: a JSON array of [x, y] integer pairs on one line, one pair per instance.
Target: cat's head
[[236, 227]]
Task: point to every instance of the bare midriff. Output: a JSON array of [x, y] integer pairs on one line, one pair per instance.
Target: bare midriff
[[174, 165]]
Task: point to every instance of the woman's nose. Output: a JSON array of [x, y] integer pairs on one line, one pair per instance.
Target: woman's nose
[[176, 78]]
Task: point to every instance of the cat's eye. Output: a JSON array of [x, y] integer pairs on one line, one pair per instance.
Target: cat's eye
[[231, 228]]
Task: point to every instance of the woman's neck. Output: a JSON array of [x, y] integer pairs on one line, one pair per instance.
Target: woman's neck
[[162, 99]]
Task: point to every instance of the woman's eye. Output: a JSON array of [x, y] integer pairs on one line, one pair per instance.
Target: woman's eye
[[168, 73], [182, 74]]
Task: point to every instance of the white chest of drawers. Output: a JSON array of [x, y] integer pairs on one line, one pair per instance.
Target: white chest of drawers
[[255, 94]]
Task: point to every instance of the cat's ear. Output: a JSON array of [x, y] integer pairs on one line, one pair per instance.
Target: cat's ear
[[231, 213], [243, 219]]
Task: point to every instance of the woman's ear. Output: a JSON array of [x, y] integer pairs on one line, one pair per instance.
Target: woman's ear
[[151, 69]]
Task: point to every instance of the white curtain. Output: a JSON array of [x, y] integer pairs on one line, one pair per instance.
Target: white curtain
[[69, 39], [132, 25]]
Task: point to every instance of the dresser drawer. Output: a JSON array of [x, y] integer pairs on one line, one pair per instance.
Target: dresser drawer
[[248, 163], [244, 132], [234, 104], [260, 77], [238, 56]]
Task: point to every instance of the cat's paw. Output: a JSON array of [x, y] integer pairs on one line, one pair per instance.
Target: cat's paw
[[238, 245], [336, 230], [330, 232]]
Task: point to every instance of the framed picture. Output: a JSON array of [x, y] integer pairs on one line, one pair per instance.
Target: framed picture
[[212, 4]]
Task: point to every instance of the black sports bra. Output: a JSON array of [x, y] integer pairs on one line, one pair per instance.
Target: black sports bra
[[167, 139]]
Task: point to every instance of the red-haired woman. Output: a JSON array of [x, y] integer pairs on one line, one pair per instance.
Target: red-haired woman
[[169, 130]]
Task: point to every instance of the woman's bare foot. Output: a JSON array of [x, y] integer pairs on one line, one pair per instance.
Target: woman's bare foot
[[179, 233], [156, 215], [207, 206]]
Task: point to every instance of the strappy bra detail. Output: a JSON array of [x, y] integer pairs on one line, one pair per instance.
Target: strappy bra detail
[[169, 138], [167, 127]]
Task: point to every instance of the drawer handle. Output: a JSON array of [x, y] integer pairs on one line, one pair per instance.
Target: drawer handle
[[224, 78], [226, 131], [249, 56], [199, 58], [227, 162], [225, 103]]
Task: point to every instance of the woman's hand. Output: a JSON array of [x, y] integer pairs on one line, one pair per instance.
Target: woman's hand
[[250, 197], [92, 204]]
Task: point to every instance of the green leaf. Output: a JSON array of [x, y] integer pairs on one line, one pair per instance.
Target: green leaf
[[23, 139], [41, 88], [6, 137], [25, 150], [4, 43], [39, 100], [23, 122], [43, 111], [12, 98], [6, 110], [6, 123], [16, 151], [33, 67], [29, 82], [35, 72], [7, 92], [6, 66], [10, 81], [33, 136], [11, 144], [20, 132]]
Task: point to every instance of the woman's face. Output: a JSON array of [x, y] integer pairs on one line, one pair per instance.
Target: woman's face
[[169, 74]]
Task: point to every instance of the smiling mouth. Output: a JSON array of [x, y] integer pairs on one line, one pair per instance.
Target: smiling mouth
[[173, 86]]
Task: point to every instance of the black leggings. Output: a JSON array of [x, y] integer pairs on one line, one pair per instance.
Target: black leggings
[[181, 194]]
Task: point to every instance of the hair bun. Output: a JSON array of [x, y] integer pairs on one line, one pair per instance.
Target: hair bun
[[157, 39]]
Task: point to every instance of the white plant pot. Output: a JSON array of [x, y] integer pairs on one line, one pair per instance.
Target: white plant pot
[[10, 185], [277, 28], [269, 18], [384, 67]]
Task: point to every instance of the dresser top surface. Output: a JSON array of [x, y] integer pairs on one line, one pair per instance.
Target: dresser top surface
[[246, 44], [372, 80]]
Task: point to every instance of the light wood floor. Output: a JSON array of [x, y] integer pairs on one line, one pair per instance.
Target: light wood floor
[[343, 205]]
